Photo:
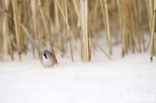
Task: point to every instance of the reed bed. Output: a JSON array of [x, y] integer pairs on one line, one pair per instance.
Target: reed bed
[[76, 25]]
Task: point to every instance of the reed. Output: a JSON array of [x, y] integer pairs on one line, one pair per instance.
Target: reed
[[75, 26], [153, 32]]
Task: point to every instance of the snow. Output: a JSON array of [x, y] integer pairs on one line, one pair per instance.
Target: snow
[[131, 79]]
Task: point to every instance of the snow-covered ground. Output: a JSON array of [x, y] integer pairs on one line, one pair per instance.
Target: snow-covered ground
[[131, 79]]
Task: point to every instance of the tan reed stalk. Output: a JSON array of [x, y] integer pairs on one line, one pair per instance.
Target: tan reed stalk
[[153, 33], [77, 7], [129, 33], [126, 28], [17, 25], [70, 32], [5, 29], [44, 19], [141, 24], [104, 9], [141, 35], [34, 10], [131, 41], [62, 36], [83, 46], [50, 38], [36, 43], [123, 35], [33, 41], [119, 14], [131, 29], [88, 54], [20, 29], [108, 27], [94, 17], [75, 3], [137, 25], [70, 45], [82, 35], [155, 25], [10, 48], [46, 23], [150, 13], [107, 55], [57, 26]]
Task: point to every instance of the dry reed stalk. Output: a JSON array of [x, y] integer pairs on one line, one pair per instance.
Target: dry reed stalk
[[119, 14], [50, 38], [17, 26], [44, 19], [88, 54], [131, 28], [150, 13], [149, 9], [131, 32], [36, 43], [82, 36], [137, 25], [84, 29], [141, 24], [70, 45], [155, 24], [131, 43], [70, 32], [127, 37], [93, 18], [5, 29], [141, 35], [57, 50], [58, 36], [108, 56], [46, 23], [108, 27], [10, 48], [33, 41], [123, 37], [57, 26], [20, 29], [75, 3], [102, 10], [77, 6], [152, 51], [34, 10], [105, 14]]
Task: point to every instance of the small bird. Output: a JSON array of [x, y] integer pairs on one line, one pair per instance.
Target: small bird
[[48, 59]]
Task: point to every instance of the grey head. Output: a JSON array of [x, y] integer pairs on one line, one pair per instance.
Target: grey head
[[46, 54]]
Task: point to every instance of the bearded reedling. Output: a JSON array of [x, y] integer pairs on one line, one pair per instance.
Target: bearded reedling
[[48, 59]]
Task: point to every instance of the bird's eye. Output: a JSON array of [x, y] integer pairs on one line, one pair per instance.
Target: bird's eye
[[45, 56]]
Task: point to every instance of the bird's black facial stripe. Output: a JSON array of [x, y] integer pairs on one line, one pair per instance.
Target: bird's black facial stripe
[[45, 56]]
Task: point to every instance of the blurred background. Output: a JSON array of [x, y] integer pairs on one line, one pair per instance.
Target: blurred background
[[69, 26]]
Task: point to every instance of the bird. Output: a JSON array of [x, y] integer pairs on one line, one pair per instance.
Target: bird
[[48, 58]]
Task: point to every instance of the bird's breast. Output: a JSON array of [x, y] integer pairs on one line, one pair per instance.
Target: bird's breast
[[47, 62]]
